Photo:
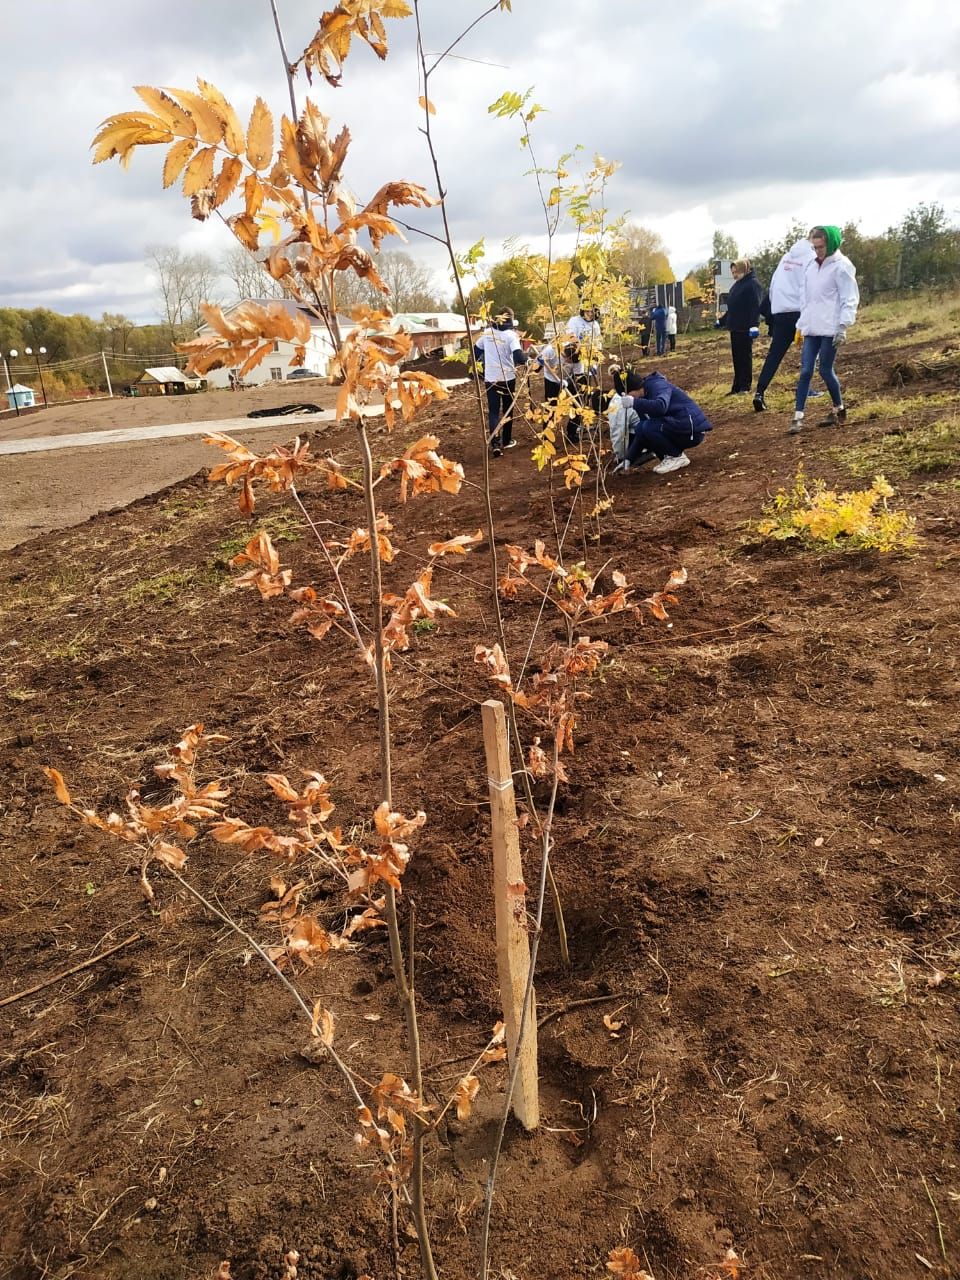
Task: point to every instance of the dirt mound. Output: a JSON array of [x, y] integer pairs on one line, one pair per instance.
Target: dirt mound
[[755, 851]]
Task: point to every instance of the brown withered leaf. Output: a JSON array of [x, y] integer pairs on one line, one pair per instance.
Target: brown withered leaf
[[281, 787], [120, 135], [394, 825], [467, 1089], [495, 663], [227, 180], [369, 918], [199, 172], [308, 939], [266, 574], [393, 1092], [626, 1264], [233, 135], [59, 786], [209, 122], [236, 831], [179, 121], [322, 1024], [170, 855], [177, 157], [260, 136], [246, 230], [537, 761], [456, 546], [329, 48]]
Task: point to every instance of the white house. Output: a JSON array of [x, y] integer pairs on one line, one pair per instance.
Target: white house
[[276, 367], [438, 333]]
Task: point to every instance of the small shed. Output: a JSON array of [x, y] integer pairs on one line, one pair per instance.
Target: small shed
[[164, 381], [20, 397]]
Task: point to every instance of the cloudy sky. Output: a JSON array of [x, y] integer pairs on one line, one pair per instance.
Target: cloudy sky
[[738, 114]]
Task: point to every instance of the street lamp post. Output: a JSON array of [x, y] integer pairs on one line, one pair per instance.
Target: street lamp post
[[41, 351], [10, 386]]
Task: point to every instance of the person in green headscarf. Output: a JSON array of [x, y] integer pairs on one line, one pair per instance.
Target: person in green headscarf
[[829, 301]]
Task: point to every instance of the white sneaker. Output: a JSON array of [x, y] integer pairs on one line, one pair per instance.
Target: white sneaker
[[672, 464], [796, 426], [621, 467]]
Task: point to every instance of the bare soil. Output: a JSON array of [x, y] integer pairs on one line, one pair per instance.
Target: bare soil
[[756, 851]]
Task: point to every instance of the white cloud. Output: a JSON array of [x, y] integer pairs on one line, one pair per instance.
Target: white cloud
[[724, 114]]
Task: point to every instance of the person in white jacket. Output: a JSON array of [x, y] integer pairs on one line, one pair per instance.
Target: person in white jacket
[[672, 327], [781, 310], [829, 301], [585, 330]]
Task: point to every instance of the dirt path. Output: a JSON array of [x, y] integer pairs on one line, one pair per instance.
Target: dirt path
[[60, 467], [44, 491]]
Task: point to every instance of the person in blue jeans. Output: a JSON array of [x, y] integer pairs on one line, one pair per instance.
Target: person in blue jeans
[[829, 302], [670, 421]]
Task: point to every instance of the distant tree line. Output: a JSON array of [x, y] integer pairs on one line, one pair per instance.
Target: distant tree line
[[922, 250], [183, 281], [539, 290]]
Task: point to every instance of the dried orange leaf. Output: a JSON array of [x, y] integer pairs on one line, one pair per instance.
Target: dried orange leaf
[[321, 1025], [467, 1089], [59, 786]]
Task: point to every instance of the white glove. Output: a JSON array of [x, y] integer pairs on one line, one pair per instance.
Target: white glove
[[840, 337]]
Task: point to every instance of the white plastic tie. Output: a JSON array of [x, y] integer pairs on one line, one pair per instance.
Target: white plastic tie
[[499, 786]]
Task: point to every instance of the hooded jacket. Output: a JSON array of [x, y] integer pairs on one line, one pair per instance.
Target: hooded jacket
[[829, 296], [675, 411], [786, 285]]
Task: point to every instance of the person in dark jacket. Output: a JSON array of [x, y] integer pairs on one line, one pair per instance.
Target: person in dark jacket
[[670, 421], [742, 319], [643, 332], [659, 317]]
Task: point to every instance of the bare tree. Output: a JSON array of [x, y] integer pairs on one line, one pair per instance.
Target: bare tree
[[247, 275], [411, 285], [184, 280]]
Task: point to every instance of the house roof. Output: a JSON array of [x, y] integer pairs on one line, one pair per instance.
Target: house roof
[[290, 306], [431, 322], [165, 373]]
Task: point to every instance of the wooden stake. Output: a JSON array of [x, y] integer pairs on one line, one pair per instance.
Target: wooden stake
[[513, 944]]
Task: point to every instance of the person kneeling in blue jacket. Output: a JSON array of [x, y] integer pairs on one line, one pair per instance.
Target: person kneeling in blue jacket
[[670, 422]]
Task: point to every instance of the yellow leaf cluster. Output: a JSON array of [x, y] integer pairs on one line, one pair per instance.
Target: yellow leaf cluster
[[855, 520]]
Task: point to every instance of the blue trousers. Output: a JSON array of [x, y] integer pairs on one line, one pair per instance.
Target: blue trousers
[[783, 325], [665, 442], [824, 350]]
